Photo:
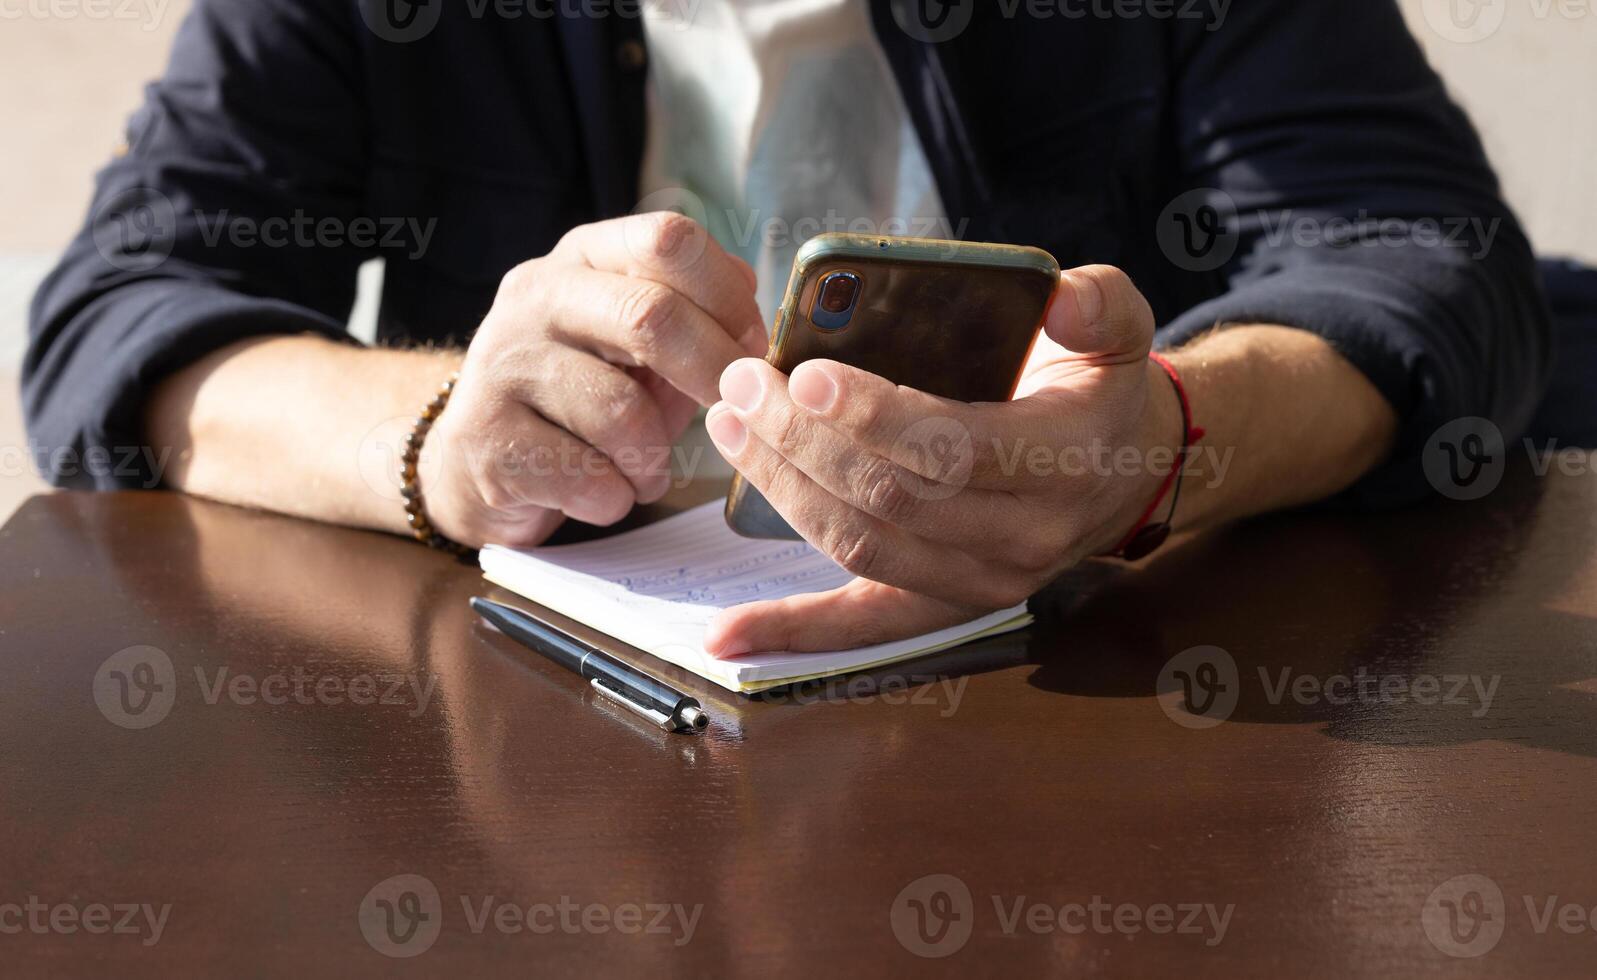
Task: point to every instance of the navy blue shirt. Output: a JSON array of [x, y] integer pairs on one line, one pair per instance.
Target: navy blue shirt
[[1288, 162]]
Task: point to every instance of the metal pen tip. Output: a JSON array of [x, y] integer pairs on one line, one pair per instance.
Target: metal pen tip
[[694, 717]]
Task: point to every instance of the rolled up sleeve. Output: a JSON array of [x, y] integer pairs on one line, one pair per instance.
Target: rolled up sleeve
[[1358, 204], [204, 232]]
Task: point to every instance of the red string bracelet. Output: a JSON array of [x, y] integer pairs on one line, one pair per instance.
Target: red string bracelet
[[1144, 537]]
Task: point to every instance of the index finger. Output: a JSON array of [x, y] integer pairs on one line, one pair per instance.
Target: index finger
[[676, 251], [934, 437], [640, 323]]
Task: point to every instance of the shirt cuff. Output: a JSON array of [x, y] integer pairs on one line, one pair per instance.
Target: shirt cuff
[[86, 397]]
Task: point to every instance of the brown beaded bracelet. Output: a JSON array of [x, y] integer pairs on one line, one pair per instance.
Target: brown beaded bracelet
[[415, 511]]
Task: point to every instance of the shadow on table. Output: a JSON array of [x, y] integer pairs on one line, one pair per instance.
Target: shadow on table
[[1437, 625], [1478, 596]]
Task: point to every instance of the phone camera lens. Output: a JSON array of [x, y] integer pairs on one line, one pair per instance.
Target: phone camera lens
[[838, 292], [835, 300]]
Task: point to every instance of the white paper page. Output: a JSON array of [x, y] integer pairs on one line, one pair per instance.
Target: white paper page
[[657, 587]]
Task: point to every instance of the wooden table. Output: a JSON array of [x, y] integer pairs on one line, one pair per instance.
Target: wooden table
[[430, 800]]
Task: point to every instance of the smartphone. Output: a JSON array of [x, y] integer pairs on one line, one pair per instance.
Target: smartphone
[[956, 319]]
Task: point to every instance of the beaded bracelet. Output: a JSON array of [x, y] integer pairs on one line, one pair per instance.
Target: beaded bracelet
[[415, 510]]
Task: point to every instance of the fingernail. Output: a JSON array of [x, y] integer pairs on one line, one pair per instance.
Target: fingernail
[[726, 430], [1089, 301], [755, 341], [813, 388], [741, 385], [599, 504], [736, 648]]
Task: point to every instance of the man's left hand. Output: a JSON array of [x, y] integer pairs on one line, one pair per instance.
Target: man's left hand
[[947, 510]]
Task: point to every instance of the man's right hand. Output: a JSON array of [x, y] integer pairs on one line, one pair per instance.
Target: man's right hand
[[583, 375]]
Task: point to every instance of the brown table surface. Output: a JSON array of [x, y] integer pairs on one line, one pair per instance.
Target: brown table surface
[[1042, 772]]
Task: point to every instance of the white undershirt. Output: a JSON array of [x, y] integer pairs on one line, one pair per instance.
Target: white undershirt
[[775, 120]]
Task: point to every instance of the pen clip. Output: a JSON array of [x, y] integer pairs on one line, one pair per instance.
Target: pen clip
[[658, 717]]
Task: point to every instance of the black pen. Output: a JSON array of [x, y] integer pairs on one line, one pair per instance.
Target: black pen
[[633, 689]]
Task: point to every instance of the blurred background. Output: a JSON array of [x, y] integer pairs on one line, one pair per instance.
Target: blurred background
[[75, 69]]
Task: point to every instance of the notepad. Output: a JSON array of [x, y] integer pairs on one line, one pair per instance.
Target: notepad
[[657, 587]]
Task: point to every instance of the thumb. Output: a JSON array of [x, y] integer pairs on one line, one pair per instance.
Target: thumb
[[859, 614], [1098, 314]]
